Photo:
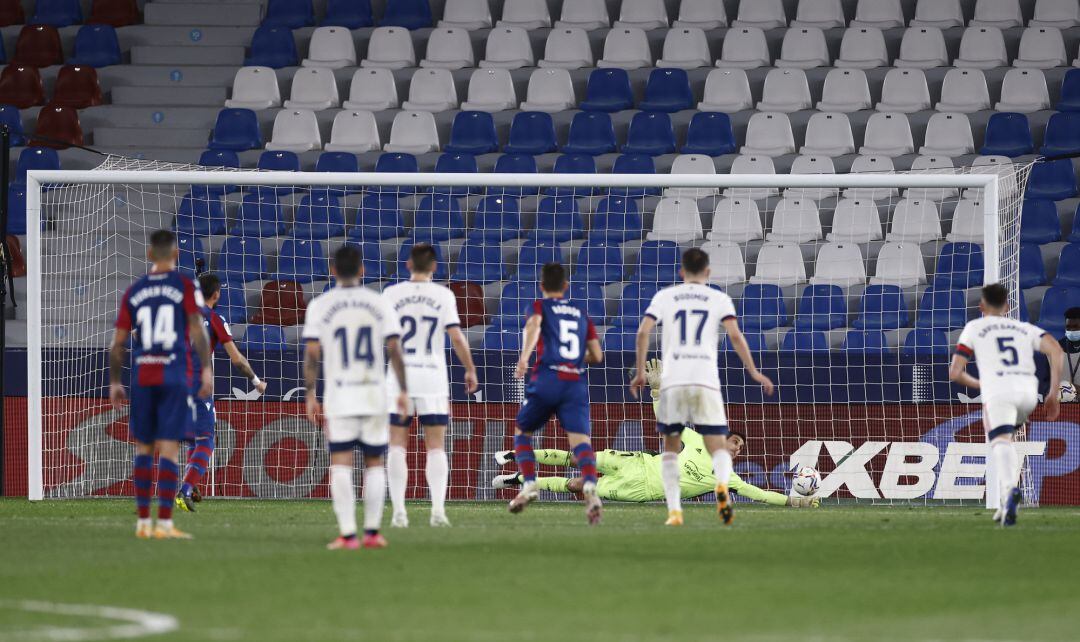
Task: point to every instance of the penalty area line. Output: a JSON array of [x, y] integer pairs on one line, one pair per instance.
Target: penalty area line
[[132, 623]]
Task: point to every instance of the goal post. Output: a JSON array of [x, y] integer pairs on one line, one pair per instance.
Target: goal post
[[850, 291]]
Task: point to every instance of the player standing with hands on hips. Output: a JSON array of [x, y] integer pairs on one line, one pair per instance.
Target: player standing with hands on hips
[[691, 315]]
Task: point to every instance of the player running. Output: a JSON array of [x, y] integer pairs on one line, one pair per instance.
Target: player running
[[345, 331], [691, 315], [428, 313], [565, 340], [201, 448], [162, 409], [1004, 350]]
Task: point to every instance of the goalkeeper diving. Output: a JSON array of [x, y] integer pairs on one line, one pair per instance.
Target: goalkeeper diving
[[634, 476]]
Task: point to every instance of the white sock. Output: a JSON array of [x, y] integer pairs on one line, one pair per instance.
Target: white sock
[[438, 475], [374, 496], [721, 463], [1008, 467], [669, 473], [165, 523], [993, 491], [343, 496], [397, 471]]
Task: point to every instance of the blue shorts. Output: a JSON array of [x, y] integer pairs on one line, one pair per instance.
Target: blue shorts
[[161, 413], [205, 417], [548, 395]]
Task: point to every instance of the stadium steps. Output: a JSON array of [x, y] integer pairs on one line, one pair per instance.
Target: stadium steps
[[213, 14], [140, 116], [166, 76], [168, 96], [188, 55], [170, 35], [123, 139]]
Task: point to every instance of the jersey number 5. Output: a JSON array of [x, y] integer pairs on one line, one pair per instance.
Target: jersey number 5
[[1005, 346], [361, 350], [159, 329], [569, 341]]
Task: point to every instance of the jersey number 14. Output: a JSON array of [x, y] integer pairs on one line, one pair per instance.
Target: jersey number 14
[[159, 329], [361, 346]]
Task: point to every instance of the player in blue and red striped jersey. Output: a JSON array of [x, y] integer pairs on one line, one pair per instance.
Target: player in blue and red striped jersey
[[161, 312], [565, 340], [201, 447]]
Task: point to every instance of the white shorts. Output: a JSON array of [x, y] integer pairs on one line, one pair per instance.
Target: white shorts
[[1010, 408], [369, 433], [691, 405], [432, 411]]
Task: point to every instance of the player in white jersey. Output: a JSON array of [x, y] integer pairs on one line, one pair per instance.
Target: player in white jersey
[[428, 313], [691, 316], [346, 329], [1004, 351]]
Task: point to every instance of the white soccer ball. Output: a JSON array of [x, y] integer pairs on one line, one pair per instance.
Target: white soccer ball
[[1068, 392], [806, 481]]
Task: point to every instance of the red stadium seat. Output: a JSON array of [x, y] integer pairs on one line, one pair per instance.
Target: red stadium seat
[[282, 304], [18, 262], [11, 13], [115, 13], [21, 86], [38, 46], [57, 127], [470, 303], [77, 87]]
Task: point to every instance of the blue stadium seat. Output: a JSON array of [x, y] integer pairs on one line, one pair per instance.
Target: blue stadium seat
[[658, 262], [35, 158], [302, 261], [1024, 314], [497, 218], [374, 267], [922, 342], [259, 215], [960, 265], [711, 134], [279, 161], [9, 115], [558, 219], [291, 14], [1032, 267], [264, 338], [343, 162], [1039, 222], [598, 263], [200, 213], [754, 339], [479, 262], [351, 14], [16, 209], [1054, 180], [1074, 232], [220, 158], [515, 301], [378, 218], [409, 14], [572, 164], [241, 259], [456, 163], [590, 133], [319, 216], [532, 257], [272, 47], [96, 46], [502, 337], [805, 341], [650, 133], [620, 338], [397, 162], [514, 164], [1055, 302], [942, 308], [236, 129], [762, 307], [1070, 91], [608, 90], [192, 259], [593, 296], [668, 90], [865, 342], [634, 164], [1068, 270], [635, 298], [232, 306], [473, 132], [617, 219], [442, 271], [1062, 135], [531, 132], [58, 13], [1007, 134], [438, 218], [821, 307]]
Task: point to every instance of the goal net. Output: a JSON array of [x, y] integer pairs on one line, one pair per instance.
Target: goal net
[[851, 290]]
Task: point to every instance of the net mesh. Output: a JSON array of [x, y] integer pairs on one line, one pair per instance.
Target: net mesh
[[850, 299]]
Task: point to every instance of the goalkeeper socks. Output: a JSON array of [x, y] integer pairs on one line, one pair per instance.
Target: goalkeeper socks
[[167, 481], [721, 461], [669, 473], [1007, 463], [397, 471], [343, 496], [199, 455], [437, 471], [142, 474], [586, 461], [524, 456], [374, 498]]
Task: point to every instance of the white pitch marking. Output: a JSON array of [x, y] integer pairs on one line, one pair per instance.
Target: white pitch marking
[[135, 623]]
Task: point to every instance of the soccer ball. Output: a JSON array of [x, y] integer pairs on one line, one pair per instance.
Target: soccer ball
[[806, 481], [1068, 392]]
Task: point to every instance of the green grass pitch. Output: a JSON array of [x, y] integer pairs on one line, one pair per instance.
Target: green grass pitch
[[258, 571]]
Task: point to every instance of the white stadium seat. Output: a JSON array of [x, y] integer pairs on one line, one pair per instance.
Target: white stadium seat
[[313, 88], [769, 134], [331, 47], [685, 48], [752, 164], [942, 14], [449, 48], [839, 264], [354, 131], [726, 90], [904, 91], [390, 48], [883, 14], [1003, 14], [508, 48], [804, 48], [431, 90], [887, 134], [413, 132], [526, 14], [855, 221], [779, 264], [967, 222], [812, 164], [932, 164], [643, 14], [795, 221], [744, 48], [726, 264], [584, 14], [762, 14], [982, 48], [922, 48], [373, 90], [948, 134], [691, 164], [845, 90], [829, 134], [676, 219], [964, 91], [1062, 14], [899, 264], [466, 14], [254, 88], [1024, 91], [550, 90], [862, 48], [490, 90], [871, 164], [1041, 48], [823, 14], [785, 91], [736, 220], [626, 48], [914, 221], [703, 14], [567, 48], [295, 130]]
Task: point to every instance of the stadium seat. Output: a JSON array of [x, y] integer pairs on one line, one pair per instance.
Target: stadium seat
[[295, 130], [1068, 269], [16, 209], [726, 264], [532, 257], [692, 164], [515, 301], [531, 132], [354, 132], [1074, 232], [823, 14], [711, 134], [558, 219], [658, 262], [201, 213], [278, 161], [508, 48], [786, 90], [390, 48], [931, 165], [232, 304], [21, 86], [942, 308], [650, 133], [839, 264], [1032, 266], [1007, 134], [616, 219], [319, 217], [505, 338], [35, 158], [1054, 180], [409, 14], [802, 341], [38, 45], [1039, 222], [982, 48], [762, 307], [887, 134], [567, 48], [598, 262], [608, 90], [514, 164], [795, 221], [914, 221], [313, 89], [922, 48], [590, 133], [780, 264], [755, 340], [967, 223], [855, 221], [572, 164], [331, 48], [431, 90], [259, 215], [883, 14], [264, 338], [1055, 13], [456, 163], [449, 48], [479, 263], [866, 342], [643, 14], [1056, 300], [750, 164], [845, 90], [626, 48], [1025, 91], [899, 264], [584, 14], [373, 90], [397, 162], [744, 48], [1061, 137], [241, 259], [338, 161], [497, 218], [942, 14], [492, 90], [301, 260], [291, 14], [549, 90], [11, 13], [925, 342], [809, 165], [592, 295], [58, 127], [862, 48], [236, 129], [351, 14], [96, 45], [736, 220], [468, 15], [703, 14], [1041, 48], [470, 303], [769, 134], [904, 91], [254, 88], [473, 132], [803, 48], [1002, 14], [526, 14], [685, 48], [828, 134], [948, 134], [821, 307], [282, 305], [57, 13], [762, 14], [883, 307], [726, 90], [272, 47], [676, 219], [634, 164], [668, 90], [959, 265], [964, 91], [438, 218], [377, 218], [413, 132]]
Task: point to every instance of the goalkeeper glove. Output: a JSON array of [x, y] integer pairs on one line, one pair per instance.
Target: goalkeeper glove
[[653, 368], [804, 502]]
